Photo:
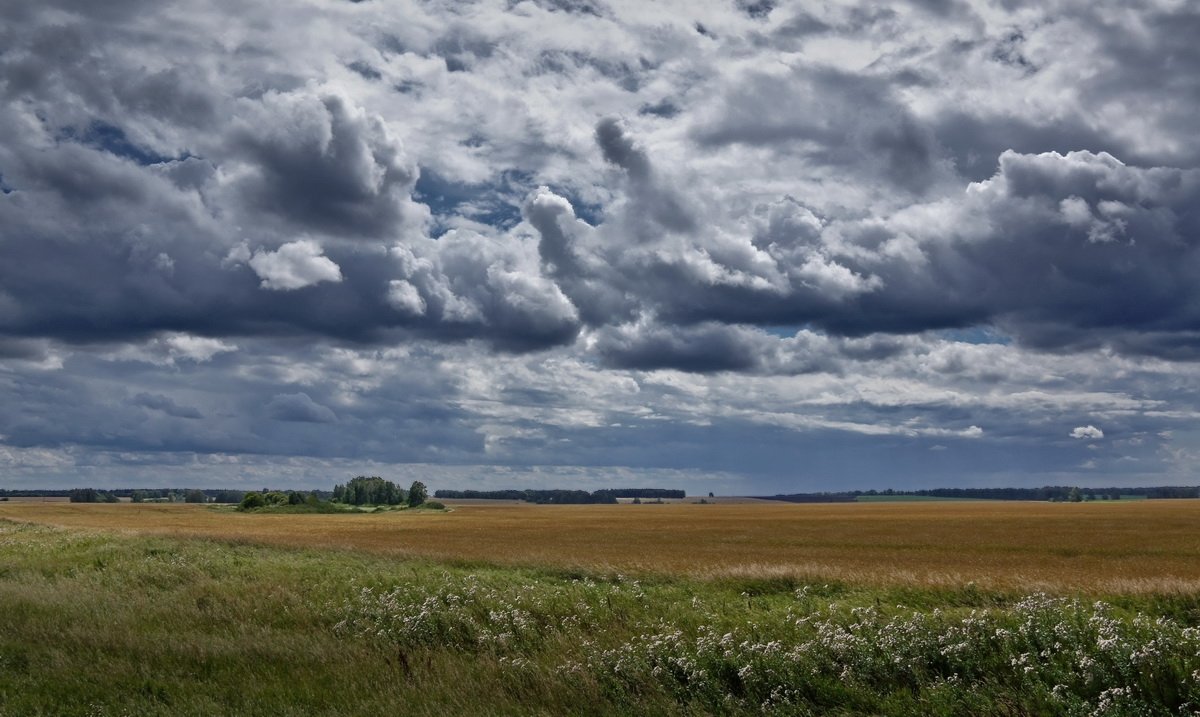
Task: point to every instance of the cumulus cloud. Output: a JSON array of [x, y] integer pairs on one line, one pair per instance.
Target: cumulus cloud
[[322, 163], [294, 265], [600, 233], [1088, 433]]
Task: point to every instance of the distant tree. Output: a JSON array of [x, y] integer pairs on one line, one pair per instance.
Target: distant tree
[[137, 496], [275, 497], [637, 500], [195, 496], [228, 496], [417, 493], [87, 495], [252, 501], [1074, 495], [364, 490], [710, 494]]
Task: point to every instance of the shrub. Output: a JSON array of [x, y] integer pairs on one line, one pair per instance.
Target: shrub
[[433, 505], [252, 501]]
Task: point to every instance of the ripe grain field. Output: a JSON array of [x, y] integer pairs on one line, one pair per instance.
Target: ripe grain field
[[1145, 547]]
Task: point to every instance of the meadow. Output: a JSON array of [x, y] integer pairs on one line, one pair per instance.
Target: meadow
[[857, 609], [1099, 547]]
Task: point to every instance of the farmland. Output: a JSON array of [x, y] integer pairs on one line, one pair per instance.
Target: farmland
[[891, 608], [1103, 548]]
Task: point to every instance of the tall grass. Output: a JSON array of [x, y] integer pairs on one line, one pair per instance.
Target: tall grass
[[1146, 547], [94, 623]]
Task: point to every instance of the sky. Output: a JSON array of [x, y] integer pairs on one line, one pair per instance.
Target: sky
[[738, 246]]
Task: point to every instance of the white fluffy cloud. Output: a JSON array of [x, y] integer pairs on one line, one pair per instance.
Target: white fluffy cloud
[[294, 265], [1088, 433]]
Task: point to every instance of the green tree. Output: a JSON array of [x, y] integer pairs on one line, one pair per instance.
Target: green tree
[[195, 496], [252, 501], [1075, 496], [364, 490], [417, 494], [84, 495]]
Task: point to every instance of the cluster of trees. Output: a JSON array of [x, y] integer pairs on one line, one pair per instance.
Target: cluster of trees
[[278, 497], [90, 495], [373, 490], [560, 497]]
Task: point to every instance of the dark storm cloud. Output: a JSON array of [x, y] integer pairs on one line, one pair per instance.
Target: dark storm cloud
[[705, 348], [320, 164], [1065, 252], [600, 234]]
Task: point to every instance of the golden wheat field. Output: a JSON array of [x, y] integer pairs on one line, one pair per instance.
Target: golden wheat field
[[1120, 547]]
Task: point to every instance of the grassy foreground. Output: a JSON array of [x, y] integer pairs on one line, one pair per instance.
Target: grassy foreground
[[97, 623]]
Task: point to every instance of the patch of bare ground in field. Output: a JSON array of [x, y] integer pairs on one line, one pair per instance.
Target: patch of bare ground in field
[[1118, 547]]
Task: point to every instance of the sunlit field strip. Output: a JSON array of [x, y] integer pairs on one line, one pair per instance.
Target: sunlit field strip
[[1111, 548]]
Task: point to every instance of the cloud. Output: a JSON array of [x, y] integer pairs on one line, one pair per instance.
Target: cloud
[[299, 408], [577, 237], [1089, 433], [704, 348], [321, 163], [171, 347], [158, 402], [294, 265]]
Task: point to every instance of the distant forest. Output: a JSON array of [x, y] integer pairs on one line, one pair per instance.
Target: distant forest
[[561, 497], [610, 495], [142, 495], [1046, 493]]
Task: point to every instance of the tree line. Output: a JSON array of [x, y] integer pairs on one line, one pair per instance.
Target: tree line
[[1056, 493], [136, 495], [562, 497]]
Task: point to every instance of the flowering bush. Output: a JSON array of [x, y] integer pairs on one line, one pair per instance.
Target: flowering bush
[[1041, 654]]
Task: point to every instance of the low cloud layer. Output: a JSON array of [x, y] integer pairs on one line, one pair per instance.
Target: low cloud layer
[[885, 245]]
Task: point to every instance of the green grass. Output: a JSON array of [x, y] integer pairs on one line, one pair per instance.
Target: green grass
[[106, 624]]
